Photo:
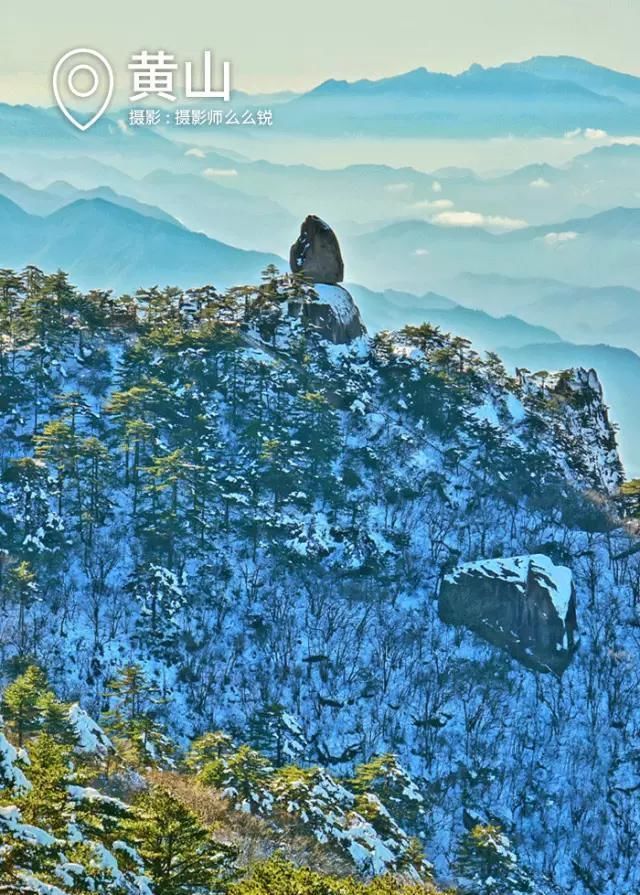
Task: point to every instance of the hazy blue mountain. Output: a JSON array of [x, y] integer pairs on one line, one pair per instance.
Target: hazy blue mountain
[[610, 313], [108, 246], [392, 310], [60, 193], [614, 223], [29, 199], [537, 193], [205, 204], [196, 201], [414, 255], [478, 102], [586, 74], [19, 123], [361, 193], [421, 83], [592, 182], [68, 193], [81, 171], [47, 128], [351, 197], [579, 313]]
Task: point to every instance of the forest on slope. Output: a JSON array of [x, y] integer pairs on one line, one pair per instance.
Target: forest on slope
[[196, 485]]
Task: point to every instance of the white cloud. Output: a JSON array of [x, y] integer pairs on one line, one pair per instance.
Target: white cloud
[[554, 239], [220, 172], [436, 186], [476, 219], [196, 153], [435, 204], [397, 187], [124, 127], [422, 252], [594, 134], [540, 184], [587, 133]]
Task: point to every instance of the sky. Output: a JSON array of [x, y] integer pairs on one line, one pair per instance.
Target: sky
[[286, 44]]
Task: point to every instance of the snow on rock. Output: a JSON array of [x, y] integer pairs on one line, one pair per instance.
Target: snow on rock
[[333, 315], [338, 299], [578, 422], [558, 580], [525, 604]]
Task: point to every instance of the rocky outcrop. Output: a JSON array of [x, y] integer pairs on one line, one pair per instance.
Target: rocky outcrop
[[524, 604], [334, 316], [332, 312], [316, 253], [577, 420]]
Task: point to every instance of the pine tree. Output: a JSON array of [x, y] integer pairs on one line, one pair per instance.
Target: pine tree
[[208, 748], [160, 596], [384, 777], [630, 497], [180, 854], [47, 803], [275, 734], [59, 446], [487, 865], [247, 772], [244, 772], [21, 589], [21, 703], [131, 719], [55, 720]]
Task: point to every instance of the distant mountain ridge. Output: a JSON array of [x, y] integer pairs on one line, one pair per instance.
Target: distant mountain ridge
[[537, 96], [593, 77], [542, 95], [109, 246], [475, 79]]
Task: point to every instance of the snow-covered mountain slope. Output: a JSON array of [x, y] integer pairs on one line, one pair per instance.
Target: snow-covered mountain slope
[[203, 485]]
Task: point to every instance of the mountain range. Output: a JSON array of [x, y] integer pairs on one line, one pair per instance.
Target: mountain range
[[541, 96], [112, 247], [592, 251]]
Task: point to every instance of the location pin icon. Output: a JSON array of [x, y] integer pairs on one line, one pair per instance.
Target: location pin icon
[[83, 78]]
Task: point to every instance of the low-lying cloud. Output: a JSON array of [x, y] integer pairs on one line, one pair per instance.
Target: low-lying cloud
[[220, 172], [433, 204], [540, 184], [555, 239], [596, 134], [494, 223]]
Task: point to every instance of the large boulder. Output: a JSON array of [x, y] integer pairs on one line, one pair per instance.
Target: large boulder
[[332, 312], [334, 315], [316, 252], [524, 604]]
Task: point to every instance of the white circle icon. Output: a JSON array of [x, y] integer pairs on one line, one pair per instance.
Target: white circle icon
[[71, 77], [100, 77]]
